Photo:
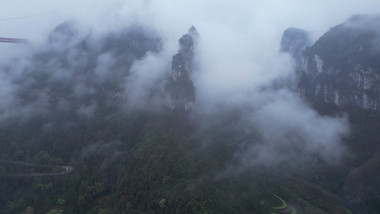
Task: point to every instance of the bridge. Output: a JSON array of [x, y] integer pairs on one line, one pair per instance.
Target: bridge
[[13, 40]]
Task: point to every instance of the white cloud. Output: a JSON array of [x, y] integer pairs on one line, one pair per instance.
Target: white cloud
[[238, 55]]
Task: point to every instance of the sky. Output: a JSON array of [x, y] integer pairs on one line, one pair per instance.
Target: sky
[[238, 53], [32, 19]]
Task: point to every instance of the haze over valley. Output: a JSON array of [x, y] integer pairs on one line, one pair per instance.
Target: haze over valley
[[190, 107]]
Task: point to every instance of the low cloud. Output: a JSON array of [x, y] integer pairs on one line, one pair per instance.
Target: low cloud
[[117, 55], [291, 132]]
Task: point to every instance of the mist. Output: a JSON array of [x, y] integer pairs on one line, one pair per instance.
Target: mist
[[237, 59]]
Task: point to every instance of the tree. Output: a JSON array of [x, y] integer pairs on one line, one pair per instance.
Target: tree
[[19, 155], [41, 158], [29, 210]]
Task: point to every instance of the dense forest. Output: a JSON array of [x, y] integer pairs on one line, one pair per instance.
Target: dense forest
[[160, 163]]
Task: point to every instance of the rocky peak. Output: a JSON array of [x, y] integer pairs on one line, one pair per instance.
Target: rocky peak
[[180, 88], [294, 41], [63, 33]]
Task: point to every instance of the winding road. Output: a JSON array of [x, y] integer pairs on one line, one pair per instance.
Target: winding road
[[340, 199], [66, 169]]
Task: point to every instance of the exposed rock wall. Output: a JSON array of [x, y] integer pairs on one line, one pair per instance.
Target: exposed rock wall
[[343, 66]]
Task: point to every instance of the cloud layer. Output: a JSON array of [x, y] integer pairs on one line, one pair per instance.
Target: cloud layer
[[237, 59]]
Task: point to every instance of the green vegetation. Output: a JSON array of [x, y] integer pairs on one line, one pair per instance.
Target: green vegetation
[[145, 164]]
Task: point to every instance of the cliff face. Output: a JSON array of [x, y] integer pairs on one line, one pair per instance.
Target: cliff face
[[180, 88], [343, 66]]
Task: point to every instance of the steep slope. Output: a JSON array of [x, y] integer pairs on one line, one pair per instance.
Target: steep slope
[[340, 73], [343, 66], [180, 88]]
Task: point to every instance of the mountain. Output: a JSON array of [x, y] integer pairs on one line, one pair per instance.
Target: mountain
[[340, 73], [342, 66], [75, 73], [180, 88]]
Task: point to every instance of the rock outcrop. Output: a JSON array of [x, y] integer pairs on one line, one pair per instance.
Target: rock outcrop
[[180, 88], [294, 41]]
